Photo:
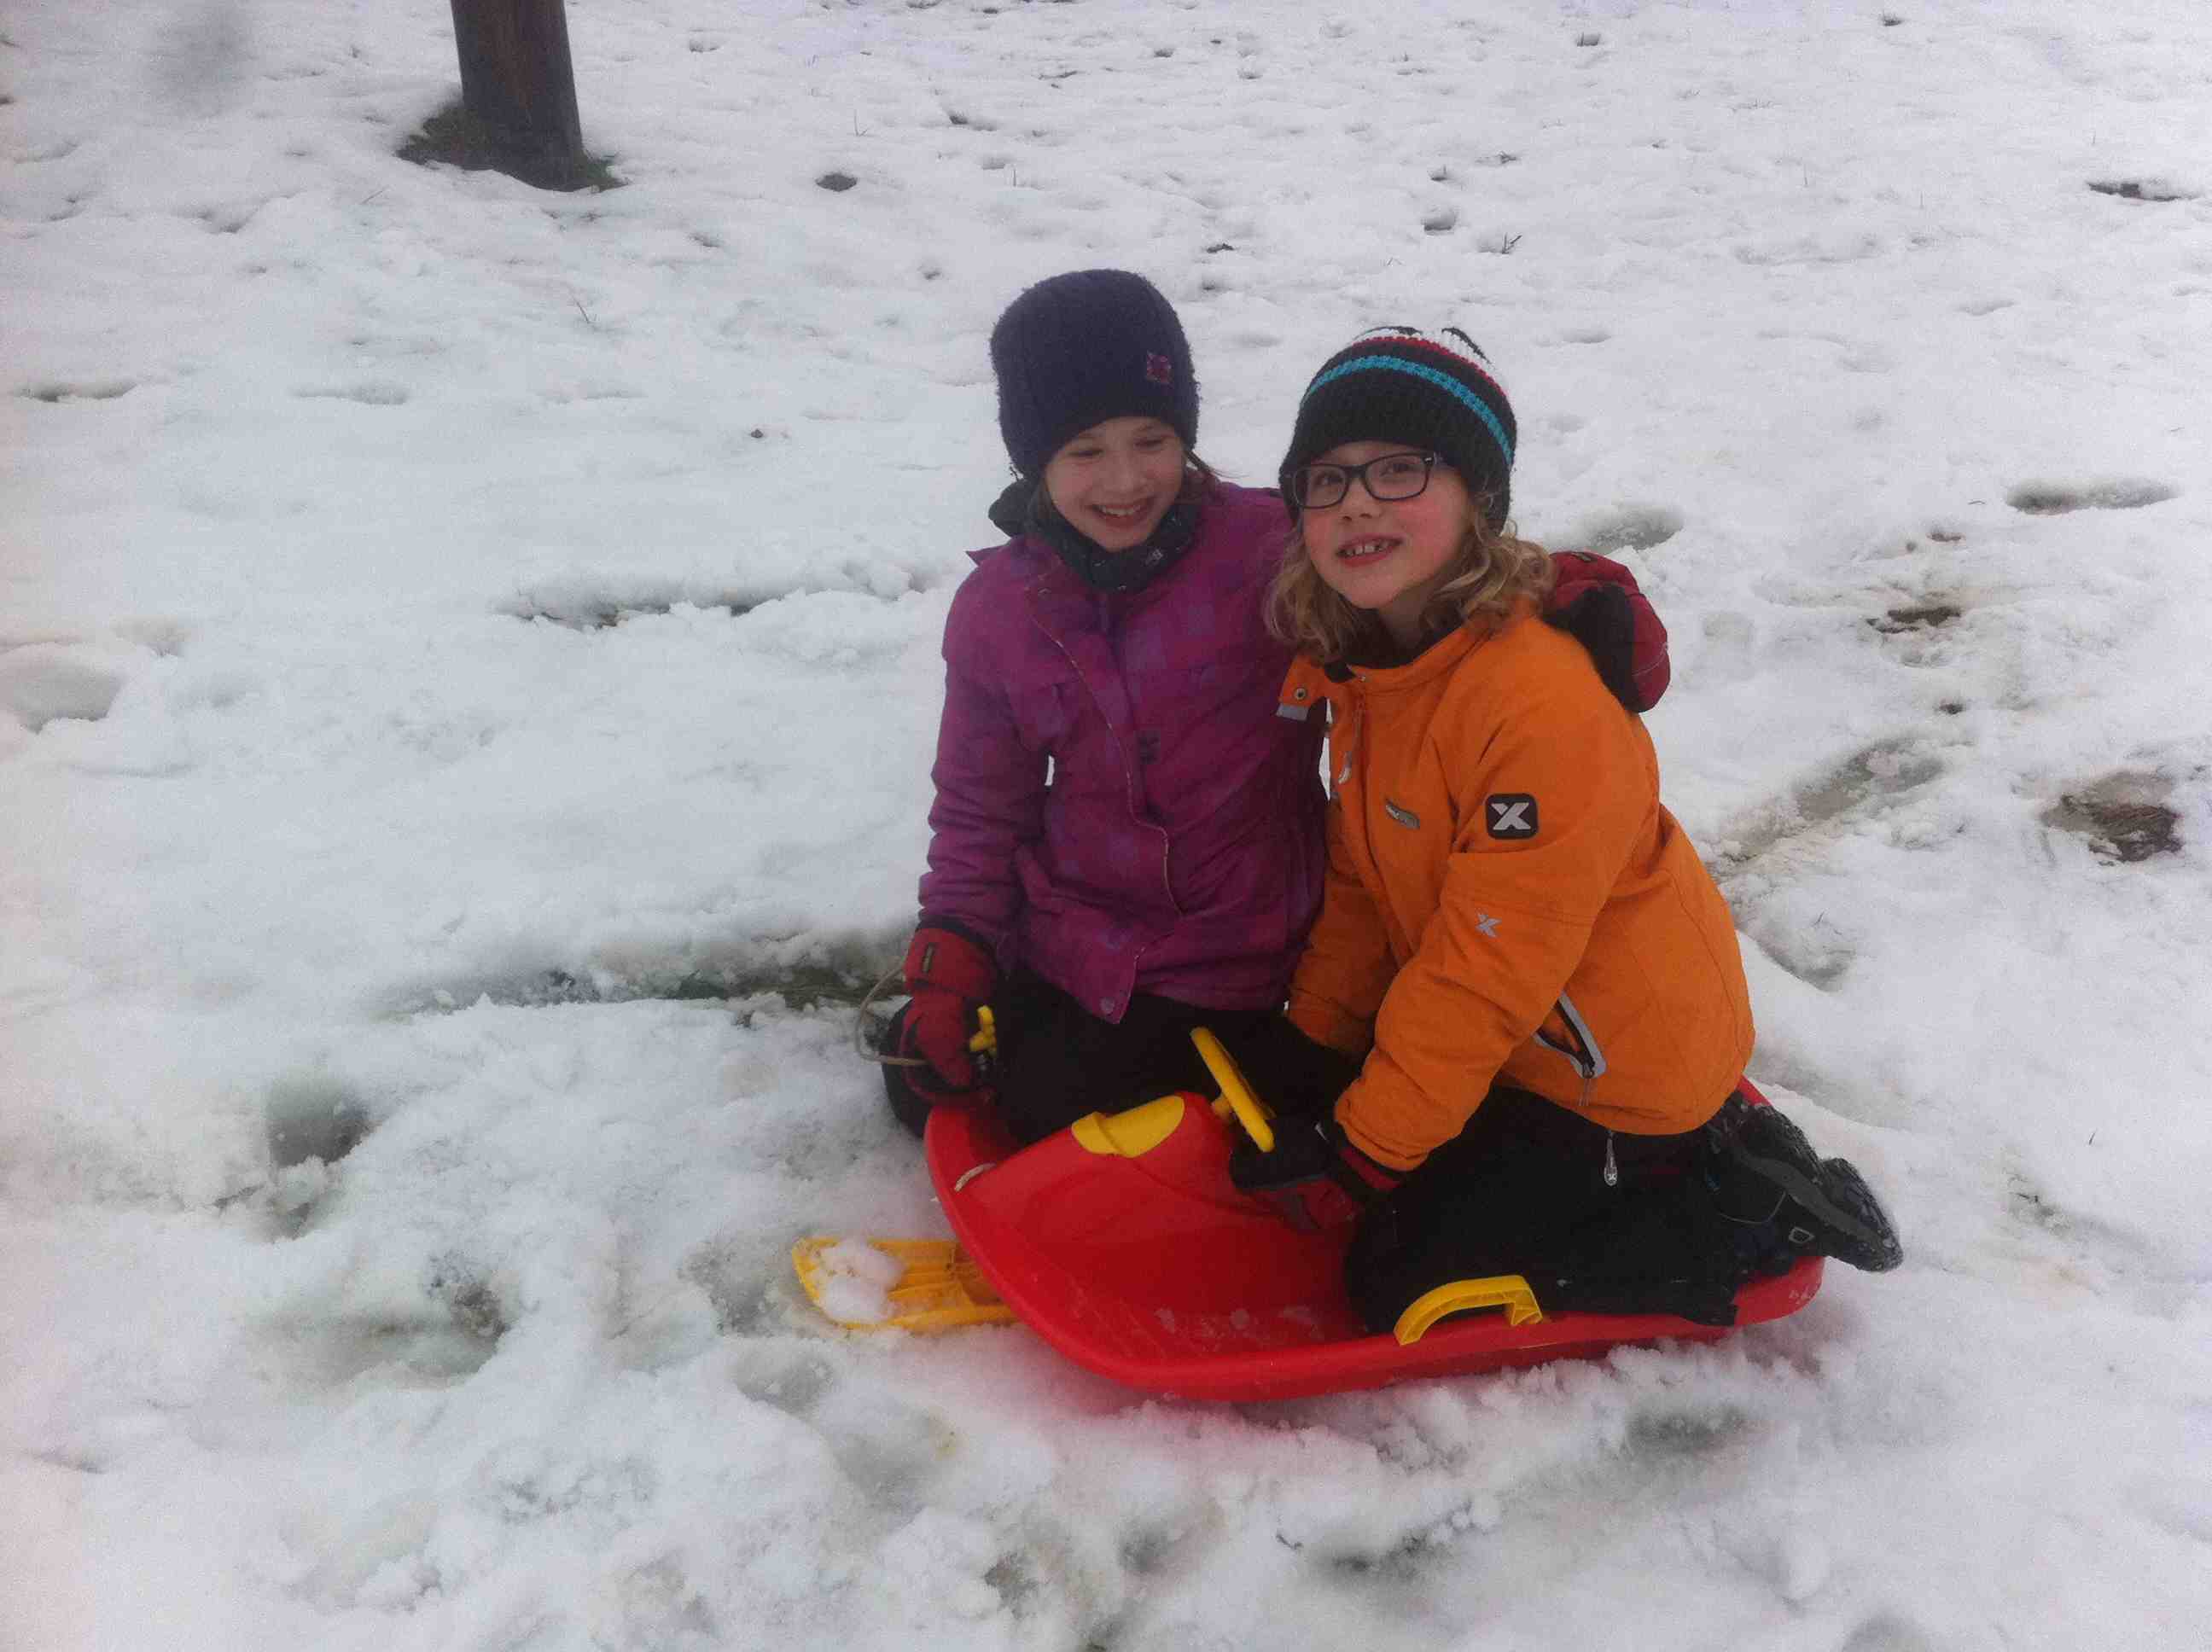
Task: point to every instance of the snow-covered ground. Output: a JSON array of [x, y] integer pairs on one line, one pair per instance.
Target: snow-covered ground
[[467, 676]]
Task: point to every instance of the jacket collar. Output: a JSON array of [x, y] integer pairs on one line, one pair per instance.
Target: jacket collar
[[1310, 681], [1434, 661], [1023, 511]]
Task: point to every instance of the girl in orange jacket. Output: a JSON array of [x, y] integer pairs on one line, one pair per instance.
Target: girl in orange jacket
[[1518, 946]]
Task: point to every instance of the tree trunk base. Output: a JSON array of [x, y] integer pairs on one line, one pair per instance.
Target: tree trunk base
[[457, 138]]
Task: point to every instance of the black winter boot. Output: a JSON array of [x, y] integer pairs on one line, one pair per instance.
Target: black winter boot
[[1784, 1197]]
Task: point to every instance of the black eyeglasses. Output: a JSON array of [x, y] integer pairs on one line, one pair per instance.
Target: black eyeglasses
[[1393, 476]]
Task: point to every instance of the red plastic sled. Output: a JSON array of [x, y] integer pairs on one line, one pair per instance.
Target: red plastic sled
[[1123, 1244]]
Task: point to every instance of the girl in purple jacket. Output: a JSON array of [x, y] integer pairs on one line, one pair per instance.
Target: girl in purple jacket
[[1126, 837]]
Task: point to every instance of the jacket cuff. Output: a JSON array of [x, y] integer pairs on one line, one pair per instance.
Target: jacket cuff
[[1365, 1145], [965, 931], [1325, 1023]]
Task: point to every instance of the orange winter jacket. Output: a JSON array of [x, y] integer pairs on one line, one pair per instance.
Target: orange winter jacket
[[1507, 902]]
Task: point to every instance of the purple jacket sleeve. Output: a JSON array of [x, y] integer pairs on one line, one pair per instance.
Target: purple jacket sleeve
[[990, 800]]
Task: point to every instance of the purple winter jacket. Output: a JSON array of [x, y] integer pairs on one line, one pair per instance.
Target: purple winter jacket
[[1119, 804]]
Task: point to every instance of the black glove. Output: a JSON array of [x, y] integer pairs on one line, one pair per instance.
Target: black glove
[[1314, 1178]]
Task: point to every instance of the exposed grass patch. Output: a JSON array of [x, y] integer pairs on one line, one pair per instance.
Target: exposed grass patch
[[607, 616], [843, 978], [2141, 189], [454, 138], [2124, 817], [801, 986], [1927, 617]]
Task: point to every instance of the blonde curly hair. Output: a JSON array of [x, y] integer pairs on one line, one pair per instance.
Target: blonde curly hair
[[1496, 575]]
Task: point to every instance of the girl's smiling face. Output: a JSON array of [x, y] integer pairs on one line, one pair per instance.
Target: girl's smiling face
[[1388, 557], [1115, 482]]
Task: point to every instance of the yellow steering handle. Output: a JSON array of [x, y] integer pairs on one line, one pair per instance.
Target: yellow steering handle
[[1234, 1090], [986, 1040]]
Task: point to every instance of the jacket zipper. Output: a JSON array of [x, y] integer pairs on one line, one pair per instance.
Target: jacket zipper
[[1129, 785], [1129, 775]]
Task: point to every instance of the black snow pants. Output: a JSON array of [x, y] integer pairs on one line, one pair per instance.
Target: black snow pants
[[1058, 1062], [1524, 1188]]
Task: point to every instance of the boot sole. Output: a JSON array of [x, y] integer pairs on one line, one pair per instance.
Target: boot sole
[[1852, 1225]]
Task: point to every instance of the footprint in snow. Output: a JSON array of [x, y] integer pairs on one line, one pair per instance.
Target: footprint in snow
[[2056, 499], [793, 1383], [585, 602], [1627, 527], [1684, 1433], [1887, 1632], [54, 392], [1880, 774], [368, 393], [1869, 782], [1916, 632], [314, 1348], [2144, 189], [42, 683], [313, 1117]]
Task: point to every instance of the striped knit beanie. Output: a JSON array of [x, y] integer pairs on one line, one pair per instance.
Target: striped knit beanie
[[1433, 391], [1082, 347]]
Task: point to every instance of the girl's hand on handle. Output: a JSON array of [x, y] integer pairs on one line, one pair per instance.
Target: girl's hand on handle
[[950, 976], [1314, 1178]]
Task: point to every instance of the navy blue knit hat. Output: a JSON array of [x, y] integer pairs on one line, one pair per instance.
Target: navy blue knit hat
[[1087, 346], [1433, 391]]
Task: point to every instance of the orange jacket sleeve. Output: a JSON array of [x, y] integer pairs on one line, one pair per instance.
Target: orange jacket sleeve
[[1346, 966]]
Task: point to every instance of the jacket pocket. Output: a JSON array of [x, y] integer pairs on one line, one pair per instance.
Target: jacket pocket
[[1045, 714]]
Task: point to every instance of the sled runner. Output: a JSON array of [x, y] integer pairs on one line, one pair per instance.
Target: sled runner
[[1121, 1241]]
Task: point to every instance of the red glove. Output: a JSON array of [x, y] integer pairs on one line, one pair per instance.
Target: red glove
[[1315, 1178], [949, 977], [1598, 603]]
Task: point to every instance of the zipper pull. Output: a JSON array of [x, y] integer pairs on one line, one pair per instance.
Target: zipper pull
[[1612, 1166]]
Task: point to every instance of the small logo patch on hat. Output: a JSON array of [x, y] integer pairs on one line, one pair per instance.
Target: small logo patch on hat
[[1511, 814], [1159, 369]]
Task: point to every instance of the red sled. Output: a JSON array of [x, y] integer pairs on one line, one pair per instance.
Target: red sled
[[1122, 1242]]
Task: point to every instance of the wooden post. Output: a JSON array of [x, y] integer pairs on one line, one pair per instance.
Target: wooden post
[[518, 83]]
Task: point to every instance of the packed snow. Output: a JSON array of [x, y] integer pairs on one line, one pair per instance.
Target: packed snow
[[468, 675]]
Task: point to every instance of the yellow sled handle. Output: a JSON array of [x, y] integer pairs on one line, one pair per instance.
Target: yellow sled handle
[[1234, 1090], [1507, 1290]]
